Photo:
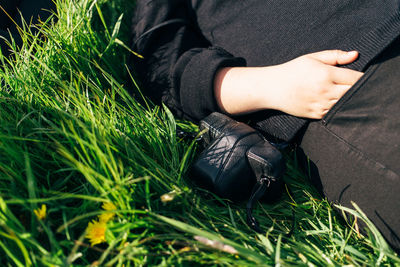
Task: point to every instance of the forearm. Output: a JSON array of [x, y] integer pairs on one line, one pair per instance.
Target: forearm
[[240, 90]]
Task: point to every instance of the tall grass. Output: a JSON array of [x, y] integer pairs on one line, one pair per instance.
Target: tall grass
[[73, 138]]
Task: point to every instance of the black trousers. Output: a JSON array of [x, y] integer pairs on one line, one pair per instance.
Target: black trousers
[[355, 149]]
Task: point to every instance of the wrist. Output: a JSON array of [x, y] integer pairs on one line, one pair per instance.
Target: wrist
[[241, 90]]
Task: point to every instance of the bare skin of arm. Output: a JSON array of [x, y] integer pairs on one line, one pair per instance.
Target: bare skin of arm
[[307, 86]]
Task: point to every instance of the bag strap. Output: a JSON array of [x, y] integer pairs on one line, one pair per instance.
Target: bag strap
[[258, 191], [268, 165]]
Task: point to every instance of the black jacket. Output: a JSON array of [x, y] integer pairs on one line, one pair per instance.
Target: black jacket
[[181, 57]]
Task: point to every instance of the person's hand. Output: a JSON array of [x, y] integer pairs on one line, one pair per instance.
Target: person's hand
[[310, 85], [307, 86]]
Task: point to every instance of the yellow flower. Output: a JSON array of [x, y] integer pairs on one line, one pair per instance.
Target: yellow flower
[[108, 215], [41, 212], [96, 232], [109, 206]]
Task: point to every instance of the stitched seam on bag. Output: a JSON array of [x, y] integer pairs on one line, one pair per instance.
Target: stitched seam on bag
[[214, 130], [347, 97], [363, 155], [260, 160], [229, 156]]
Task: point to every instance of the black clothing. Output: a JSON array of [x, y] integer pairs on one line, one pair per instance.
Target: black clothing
[[29, 10], [182, 58], [355, 148]]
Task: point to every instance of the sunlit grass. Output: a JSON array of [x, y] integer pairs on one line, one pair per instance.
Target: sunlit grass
[[74, 140]]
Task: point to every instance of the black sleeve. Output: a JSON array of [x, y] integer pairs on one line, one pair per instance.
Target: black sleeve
[[179, 64]]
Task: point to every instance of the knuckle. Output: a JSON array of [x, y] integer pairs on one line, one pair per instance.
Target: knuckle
[[318, 111], [320, 90], [319, 115], [323, 90], [324, 75]]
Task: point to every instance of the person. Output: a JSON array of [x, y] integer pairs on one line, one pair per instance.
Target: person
[[12, 14], [316, 73]]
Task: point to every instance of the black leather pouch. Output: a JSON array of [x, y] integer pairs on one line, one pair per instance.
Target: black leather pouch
[[238, 163]]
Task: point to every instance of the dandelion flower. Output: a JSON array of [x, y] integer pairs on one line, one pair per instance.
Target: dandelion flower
[[108, 215], [41, 212], [96, 232], [109, 206]]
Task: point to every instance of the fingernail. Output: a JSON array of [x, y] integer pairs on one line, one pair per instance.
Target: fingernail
[[352, 53]]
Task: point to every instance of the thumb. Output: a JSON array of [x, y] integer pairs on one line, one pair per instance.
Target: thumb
[[335, 57]]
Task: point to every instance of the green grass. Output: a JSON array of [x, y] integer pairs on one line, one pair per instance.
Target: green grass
[[73, 138]]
